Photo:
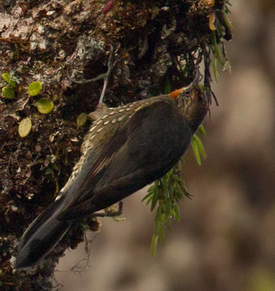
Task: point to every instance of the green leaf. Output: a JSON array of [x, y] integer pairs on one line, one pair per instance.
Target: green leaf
[[24, 127], [196, 150], [155, 198], [149, 194], [216, 48], [215, 69], [200, 146], [148, 197], [81, 119], [8, 92], [154, 244], [225, 18], [176, 213], [34, 88], [202, 130], [44, 105], [9, 79]]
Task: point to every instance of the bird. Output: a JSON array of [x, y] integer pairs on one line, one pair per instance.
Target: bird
[[125, 149]]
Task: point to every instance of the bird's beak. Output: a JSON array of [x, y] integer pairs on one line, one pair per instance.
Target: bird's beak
[[174, 94]]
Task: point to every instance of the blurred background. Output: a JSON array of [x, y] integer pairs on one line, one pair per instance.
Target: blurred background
[[226, 237]]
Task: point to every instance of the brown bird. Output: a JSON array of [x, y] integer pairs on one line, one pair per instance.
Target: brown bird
[[125, 149]]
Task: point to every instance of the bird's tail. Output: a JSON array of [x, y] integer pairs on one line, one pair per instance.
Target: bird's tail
[[42, 235]]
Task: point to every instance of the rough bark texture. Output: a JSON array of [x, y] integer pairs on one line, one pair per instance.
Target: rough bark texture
[[157, 46]]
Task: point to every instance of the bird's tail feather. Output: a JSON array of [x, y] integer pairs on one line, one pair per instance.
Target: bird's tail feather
[[42, 235]]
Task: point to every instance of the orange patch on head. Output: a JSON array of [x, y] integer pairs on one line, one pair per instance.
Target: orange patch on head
[[175, 94]]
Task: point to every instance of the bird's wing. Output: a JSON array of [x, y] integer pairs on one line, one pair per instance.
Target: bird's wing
[[86, 184], [142, 150]]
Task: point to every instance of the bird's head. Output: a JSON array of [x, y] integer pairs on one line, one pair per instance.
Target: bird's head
[[192, 102]]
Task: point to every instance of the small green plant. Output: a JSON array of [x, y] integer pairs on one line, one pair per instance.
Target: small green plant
[[50, 165], [81, 119], [24, 127], [165, 193], [34, 88], [221, 28], [8, 91], [44, 105], [9, 79]]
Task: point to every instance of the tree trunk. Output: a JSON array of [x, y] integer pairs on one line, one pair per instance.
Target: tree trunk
[[157, 46]]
